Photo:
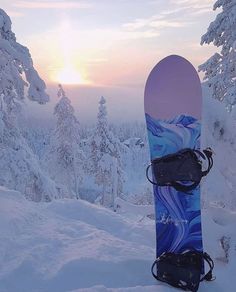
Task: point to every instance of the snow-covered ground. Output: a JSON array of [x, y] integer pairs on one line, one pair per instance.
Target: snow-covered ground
[[71, 245]]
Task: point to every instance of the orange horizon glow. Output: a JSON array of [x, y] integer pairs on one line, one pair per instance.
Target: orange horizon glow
[[69, 75], [75, 54], [67, 63]]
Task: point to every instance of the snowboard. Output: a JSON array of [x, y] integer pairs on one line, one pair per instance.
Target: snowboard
[[173, 103]]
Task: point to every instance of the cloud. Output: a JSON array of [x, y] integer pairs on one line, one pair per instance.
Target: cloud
[[194, 5], [191, 2], [200, 11], [182, 13], [154, 23], [129, 35], [13, 14], [166, 23], [51, 5]]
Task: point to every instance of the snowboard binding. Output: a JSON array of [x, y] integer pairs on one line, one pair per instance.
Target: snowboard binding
[[181, 170], [183, 270]]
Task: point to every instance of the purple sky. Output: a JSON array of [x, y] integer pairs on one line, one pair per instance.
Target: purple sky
[[108, 47]]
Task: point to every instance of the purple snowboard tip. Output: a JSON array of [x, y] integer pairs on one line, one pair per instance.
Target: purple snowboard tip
[[173, 89]]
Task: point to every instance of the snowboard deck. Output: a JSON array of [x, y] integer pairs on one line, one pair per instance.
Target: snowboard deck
[[173, 103]]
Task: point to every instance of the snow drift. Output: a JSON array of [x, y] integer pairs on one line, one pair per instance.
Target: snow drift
[[72, 245]]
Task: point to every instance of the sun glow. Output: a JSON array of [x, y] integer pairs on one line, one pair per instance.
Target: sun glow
[[69, 67], [69, 75]]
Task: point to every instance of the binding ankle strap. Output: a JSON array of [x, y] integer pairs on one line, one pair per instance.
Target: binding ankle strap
[[183, 270], [183, 166]]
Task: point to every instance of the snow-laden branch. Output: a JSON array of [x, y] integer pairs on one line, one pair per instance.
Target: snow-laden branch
[[220, 69]]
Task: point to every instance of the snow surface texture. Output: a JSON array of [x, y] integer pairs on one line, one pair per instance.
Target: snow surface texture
[[72, 245]]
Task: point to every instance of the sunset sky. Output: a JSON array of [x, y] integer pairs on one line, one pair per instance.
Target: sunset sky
[[108, 47]]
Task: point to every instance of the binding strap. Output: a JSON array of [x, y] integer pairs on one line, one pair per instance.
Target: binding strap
[[179, 283], [208, 276], [207, 154], [187, 188]]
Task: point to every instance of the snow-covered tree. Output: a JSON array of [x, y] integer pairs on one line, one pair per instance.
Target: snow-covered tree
[[105, 161], [16, 69], [20, 169], [220, 69], [64, 159]]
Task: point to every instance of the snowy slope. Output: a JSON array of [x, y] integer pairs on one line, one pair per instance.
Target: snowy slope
[[219, 132], [72, 245]]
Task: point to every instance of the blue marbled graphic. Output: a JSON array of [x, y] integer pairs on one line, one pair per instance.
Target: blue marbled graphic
[[178, 215]]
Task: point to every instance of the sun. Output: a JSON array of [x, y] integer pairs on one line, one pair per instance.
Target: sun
[[69, 75], [69, 67]]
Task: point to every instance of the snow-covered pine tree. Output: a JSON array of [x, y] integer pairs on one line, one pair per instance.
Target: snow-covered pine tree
[[220, 69], [15, 64], [105, 162], [20, 169], [64, 159]]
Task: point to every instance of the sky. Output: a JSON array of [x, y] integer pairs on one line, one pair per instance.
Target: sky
[[108, 47]]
